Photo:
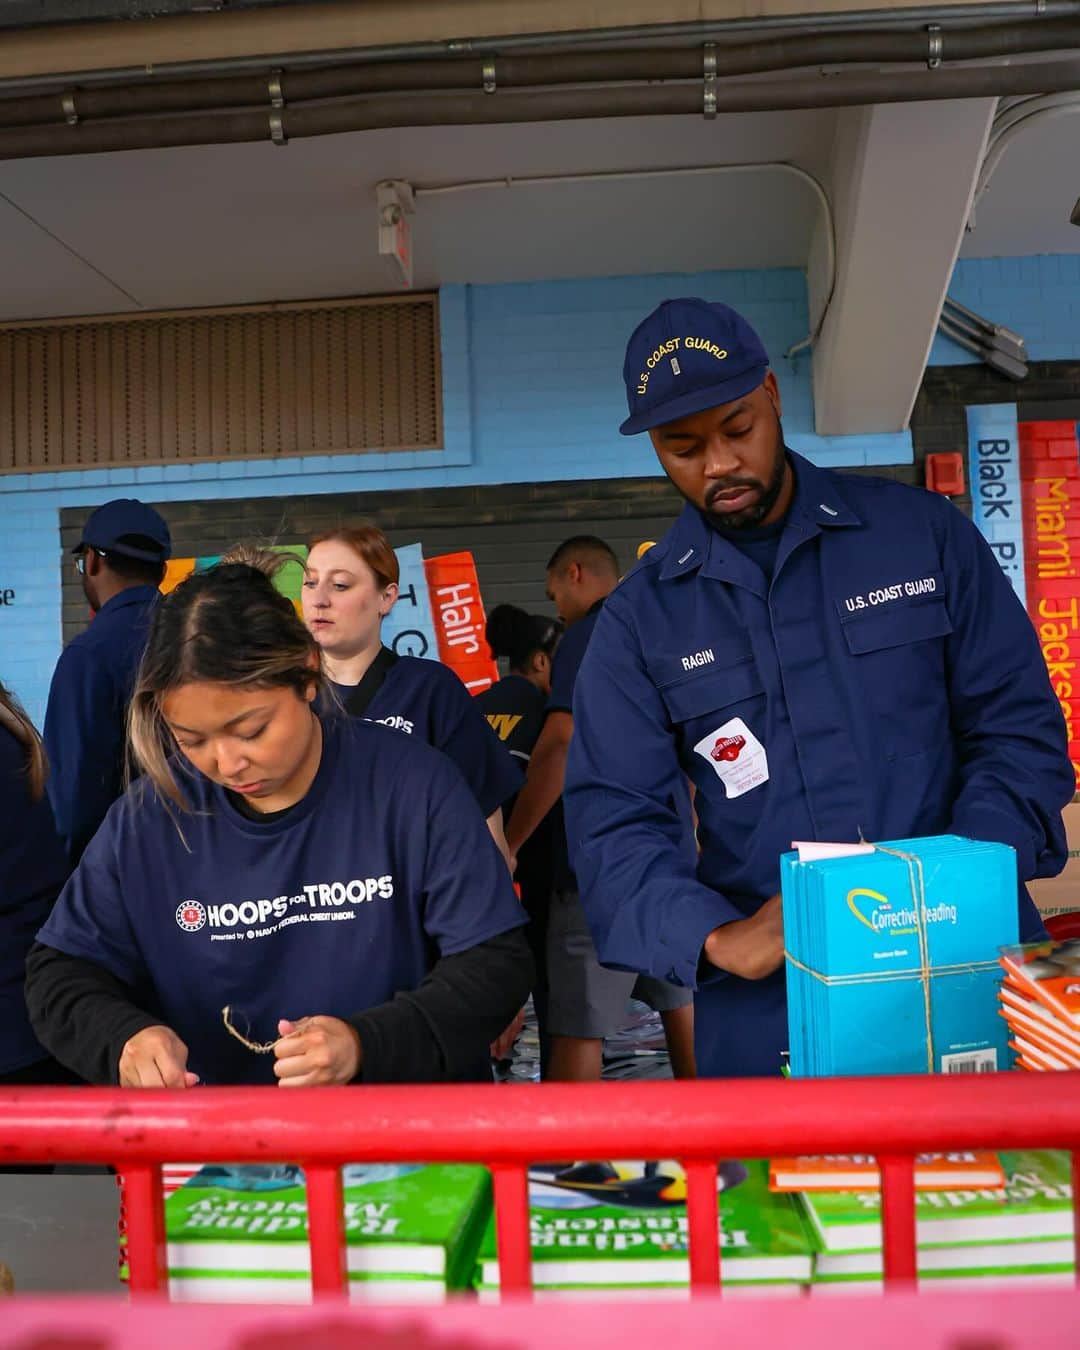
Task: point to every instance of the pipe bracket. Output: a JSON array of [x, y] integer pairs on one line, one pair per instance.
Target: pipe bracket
[[935, 45], [489, 77], [277, 106], [67, 102], [708, 80]]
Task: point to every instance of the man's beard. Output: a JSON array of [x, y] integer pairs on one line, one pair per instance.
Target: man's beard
[[750, 516]]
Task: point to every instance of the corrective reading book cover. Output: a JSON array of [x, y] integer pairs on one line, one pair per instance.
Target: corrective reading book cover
[[403, 1222], [892, 957], [1036, 1205], [616, 1225], [859, 1172]]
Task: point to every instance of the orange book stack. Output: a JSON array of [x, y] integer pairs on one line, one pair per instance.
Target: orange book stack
[[1040, 1001]]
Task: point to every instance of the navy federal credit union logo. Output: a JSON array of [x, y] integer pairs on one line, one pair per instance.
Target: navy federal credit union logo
[[190, 915]]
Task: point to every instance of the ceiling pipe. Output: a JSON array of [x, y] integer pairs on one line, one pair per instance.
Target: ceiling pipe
[[697, 30], [552, 69], [281, 123]]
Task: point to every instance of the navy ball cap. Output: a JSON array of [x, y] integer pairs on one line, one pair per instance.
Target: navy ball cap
[[686, 356]]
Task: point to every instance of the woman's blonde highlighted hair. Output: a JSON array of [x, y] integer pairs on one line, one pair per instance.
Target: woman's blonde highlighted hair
[[16, 721], [228, 625]]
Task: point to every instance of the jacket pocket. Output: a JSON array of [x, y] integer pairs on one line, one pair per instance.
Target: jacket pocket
[[897, 626], [898, 655], [706, 691]]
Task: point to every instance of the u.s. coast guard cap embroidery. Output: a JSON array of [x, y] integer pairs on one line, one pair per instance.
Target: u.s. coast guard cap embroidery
[[686, 356]]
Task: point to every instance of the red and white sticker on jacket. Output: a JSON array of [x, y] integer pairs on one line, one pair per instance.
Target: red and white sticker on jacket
[[737, 756]]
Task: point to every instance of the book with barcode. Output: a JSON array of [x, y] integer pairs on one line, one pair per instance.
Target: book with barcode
[[618, 1225], [1035, 1205], [240, 1232], [892, 956], [859, 1172]]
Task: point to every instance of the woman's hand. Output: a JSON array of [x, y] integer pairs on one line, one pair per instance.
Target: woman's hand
[[155, 1057], [503, 1047], [316, 1050]]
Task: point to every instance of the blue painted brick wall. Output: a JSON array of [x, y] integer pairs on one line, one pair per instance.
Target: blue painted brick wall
[[531, 391], [1039, 298]]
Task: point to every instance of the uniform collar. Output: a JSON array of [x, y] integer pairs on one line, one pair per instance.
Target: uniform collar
[[131, 595], [818, 505]]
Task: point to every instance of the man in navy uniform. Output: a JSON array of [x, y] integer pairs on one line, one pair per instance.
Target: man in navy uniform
[[826, 656], [120, 558]]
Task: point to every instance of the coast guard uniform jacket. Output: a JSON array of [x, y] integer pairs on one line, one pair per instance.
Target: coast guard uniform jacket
[[85, 721], [886, 682]]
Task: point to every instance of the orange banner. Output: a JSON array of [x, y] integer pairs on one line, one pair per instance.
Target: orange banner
[[458, 615]]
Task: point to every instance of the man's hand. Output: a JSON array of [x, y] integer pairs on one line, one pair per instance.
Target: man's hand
[[316, 1051], [750, 948], [155, 1057]]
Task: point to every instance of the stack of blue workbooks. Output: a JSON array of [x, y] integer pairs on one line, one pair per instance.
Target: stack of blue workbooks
[[871, 989]]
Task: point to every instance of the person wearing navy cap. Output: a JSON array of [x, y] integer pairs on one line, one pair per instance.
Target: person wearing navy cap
[[120, 558], [826, 656]]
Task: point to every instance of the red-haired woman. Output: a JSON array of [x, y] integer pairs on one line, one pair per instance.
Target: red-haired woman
[[350, 586]]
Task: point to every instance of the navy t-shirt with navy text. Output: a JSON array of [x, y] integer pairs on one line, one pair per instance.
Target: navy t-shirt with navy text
[[332, 908], [427, 701]]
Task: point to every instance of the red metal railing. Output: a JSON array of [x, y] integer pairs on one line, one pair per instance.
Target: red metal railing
[[508, 1128]]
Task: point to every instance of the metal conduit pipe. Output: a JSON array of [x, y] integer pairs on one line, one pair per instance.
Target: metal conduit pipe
[[562, 68], [397, 110], [697, 30], [1010, 124]]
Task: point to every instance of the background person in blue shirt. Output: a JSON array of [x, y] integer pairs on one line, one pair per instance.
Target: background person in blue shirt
[[515, 707], [32, 869], [329, 881], [121, 560], [822, 654], [350, 585], [585, 1001]]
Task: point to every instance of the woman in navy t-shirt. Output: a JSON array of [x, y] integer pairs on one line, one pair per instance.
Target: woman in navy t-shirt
[[350, 585], [329, 882], [32, 868]]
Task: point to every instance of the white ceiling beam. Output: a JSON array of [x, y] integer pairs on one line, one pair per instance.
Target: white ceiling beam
[[901, 182]]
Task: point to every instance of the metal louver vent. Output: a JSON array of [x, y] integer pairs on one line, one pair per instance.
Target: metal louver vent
[[326, 377]]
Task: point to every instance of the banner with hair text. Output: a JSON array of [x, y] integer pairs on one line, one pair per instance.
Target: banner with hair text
[[458, 612]]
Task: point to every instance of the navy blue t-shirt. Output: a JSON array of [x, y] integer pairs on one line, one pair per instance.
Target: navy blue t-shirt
[[427, 700], [760, 545], [32, 870], [347, 899]]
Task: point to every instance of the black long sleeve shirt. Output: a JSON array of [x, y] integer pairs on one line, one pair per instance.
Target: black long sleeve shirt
[[438, 1032]]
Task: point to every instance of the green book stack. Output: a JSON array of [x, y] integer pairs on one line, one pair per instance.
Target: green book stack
[[239, 1234], [1020, 1236], [609, 1228]]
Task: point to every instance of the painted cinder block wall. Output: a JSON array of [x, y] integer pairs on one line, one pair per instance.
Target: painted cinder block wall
[[531, 392], [1039, 298]]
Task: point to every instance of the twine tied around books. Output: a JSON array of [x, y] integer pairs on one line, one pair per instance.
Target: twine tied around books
[[924, 971]]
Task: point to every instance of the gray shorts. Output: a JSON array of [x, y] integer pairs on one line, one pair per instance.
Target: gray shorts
[[586, 999]]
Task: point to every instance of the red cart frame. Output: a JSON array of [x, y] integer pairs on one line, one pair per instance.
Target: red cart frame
[[510, 1127]]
